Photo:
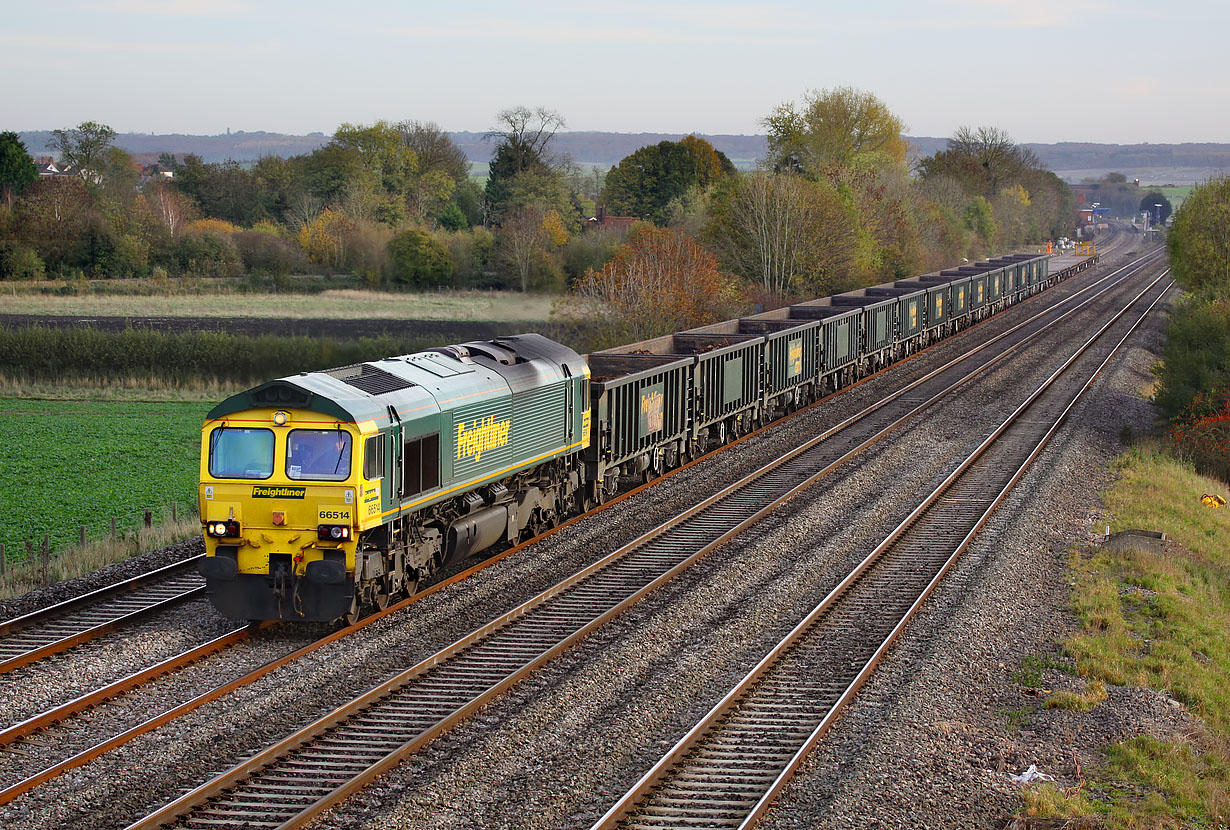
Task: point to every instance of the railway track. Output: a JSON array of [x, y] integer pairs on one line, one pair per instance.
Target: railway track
[[57, 628], [321, 764], [729, 768]]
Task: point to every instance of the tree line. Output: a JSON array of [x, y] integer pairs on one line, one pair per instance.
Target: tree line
[[1195, 376], [833, 205]]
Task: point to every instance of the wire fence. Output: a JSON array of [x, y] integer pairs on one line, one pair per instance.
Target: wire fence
[[41, 544]]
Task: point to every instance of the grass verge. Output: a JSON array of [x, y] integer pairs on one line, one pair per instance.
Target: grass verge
[[1161, 621], [128, 390], [76, 560]]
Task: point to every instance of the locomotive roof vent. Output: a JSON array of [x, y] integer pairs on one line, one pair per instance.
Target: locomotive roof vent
[[370, 379], [455, 352]]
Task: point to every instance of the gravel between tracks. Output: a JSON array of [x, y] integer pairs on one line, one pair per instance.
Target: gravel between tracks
[[109, 792]]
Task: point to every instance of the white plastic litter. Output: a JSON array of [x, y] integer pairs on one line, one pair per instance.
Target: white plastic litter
[[1030, 775]]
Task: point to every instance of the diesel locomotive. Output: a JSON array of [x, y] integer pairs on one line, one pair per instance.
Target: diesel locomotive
[[327, 494]]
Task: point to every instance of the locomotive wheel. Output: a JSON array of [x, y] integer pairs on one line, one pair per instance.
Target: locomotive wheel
[[354, 614], [382, 600]]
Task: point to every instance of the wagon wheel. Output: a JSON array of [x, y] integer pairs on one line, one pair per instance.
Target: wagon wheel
[[535, 526], [355, 613]]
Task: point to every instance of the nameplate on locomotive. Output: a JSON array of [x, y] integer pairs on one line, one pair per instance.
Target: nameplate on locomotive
[[260, 491]]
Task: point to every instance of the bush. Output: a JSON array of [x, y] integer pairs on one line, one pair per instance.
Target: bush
[[472, 253], [206, 254], [1204, 440], [366, 252], [216, 226], [416, 259], [265, 253], [122, 256], [453, 218], [20, 262], [1197, 359], [588, 251]]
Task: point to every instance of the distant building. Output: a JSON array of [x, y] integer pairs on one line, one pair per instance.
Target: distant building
[[602, 222], [49, 168]]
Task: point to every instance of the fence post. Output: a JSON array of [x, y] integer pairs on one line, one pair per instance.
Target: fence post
[[46, 558], [174, 512], [2, 562], [83, 536], [29, 551], [149, 518]]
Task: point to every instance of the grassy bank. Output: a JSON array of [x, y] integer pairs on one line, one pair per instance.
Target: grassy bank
[[75, 559], [57, 299], [67, 464], [125, 390], [141, 357], [1161, 621]]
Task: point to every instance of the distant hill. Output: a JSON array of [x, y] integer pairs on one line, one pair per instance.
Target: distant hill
[[1151, 163]]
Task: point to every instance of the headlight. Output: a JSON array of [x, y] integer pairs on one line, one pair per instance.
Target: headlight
[[223, 530], [333, 533]]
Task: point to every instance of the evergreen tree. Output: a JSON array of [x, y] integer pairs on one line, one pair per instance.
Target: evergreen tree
[[17, 170]]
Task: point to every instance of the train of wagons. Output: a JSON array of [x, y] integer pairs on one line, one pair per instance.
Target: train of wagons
[[327, 494]]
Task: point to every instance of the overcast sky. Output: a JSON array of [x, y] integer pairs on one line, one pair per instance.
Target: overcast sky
[[1121, 71]]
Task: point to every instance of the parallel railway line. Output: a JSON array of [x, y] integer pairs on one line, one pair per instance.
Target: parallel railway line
[[728, 769], [57, 628], [340, 753]]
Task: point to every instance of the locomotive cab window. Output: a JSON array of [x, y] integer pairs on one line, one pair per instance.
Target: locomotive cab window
[[373, 457], [241, 453], [421, 465], [318, 454]]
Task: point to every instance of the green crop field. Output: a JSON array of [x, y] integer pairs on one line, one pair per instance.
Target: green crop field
[[64, 464], [1176, 195]]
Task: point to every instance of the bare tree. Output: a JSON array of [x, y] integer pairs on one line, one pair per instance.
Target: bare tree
[[1001, 159], [784, 232], [171, 207], [527, 133], [523, 239], [435, 149], [303, 210]]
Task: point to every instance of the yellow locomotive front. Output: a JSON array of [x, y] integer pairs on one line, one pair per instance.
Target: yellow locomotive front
[[279, 507]]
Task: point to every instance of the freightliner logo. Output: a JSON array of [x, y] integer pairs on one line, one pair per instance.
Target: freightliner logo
[[262, 492]]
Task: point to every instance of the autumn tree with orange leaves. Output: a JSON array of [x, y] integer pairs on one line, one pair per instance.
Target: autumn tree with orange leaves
[[659, 281]]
